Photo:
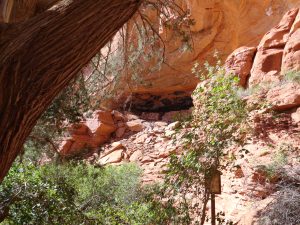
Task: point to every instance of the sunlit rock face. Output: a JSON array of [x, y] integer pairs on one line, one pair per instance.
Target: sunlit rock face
[[279, 41], [291, 53], [240, 63], [277, 54], [220, 25]]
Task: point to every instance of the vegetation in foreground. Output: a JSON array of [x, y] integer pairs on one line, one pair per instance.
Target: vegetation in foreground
[[75, 193]]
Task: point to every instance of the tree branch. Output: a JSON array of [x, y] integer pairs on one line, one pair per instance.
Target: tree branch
[[42, 55]]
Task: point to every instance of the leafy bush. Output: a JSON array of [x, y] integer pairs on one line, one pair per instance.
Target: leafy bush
[[216, 124], [77, 194], [34, 198]]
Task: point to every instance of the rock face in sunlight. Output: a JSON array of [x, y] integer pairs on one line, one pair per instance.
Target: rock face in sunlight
[[277, 54], [220, 25], [285, 97], [240, 63], [268, 62], [291, 53]]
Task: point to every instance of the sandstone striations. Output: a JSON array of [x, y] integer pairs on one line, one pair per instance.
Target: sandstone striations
[[267, 65], [277, 55], [220, 25]]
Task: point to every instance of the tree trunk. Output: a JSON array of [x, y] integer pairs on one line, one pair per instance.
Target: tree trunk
[[39, 57]]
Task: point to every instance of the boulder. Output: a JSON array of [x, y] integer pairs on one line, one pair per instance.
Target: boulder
[[92, 124], [121, 124], [104, 117], [296, 116], [98, 140], [88, 135], [170, 133], [136, 156], [116, 146], [174, 125], [65, 147], [278, 36], [240, 63], [268, 60], [113, 157], [79, 129], [118, 116], [120, 132], [130, 117], [266, 67], [101, 124], [135, 125], [161, 124], [105, 129], [81, 144], [284, 97]]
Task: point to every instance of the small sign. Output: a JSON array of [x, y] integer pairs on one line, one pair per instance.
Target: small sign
[[215, 185], [213, 182]]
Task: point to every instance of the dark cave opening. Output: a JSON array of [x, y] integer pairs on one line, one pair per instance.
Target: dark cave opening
[[160, 103]]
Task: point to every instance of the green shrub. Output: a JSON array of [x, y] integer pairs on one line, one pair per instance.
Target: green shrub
[[34, 198], [77, 194], [217, 123]]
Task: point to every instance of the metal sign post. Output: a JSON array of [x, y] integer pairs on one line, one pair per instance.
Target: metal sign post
[[213, 209]]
